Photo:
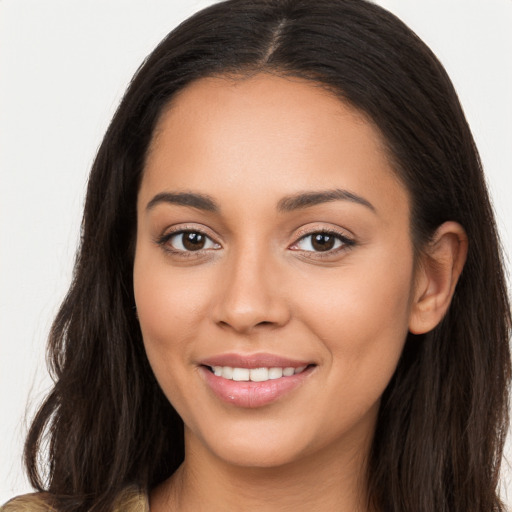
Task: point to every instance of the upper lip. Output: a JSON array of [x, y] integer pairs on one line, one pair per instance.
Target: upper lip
[[262, 360]]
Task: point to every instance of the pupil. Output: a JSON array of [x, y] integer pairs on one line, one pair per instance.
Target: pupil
[[193, 241], [323, 242]]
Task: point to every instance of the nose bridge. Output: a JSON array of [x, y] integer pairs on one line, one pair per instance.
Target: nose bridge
[[250, 295]]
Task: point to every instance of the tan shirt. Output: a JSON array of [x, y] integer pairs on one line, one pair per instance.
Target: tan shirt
[[130, 500]]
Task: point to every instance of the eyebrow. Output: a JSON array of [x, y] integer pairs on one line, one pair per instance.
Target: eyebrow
[[195, 200], [286, 204], [308, 199]]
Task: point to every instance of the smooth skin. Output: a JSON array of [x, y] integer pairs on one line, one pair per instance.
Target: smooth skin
[[258, 283]]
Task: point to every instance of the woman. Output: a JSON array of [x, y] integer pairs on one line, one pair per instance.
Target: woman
[[289, 293]]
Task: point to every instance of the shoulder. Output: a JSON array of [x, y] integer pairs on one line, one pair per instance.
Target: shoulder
[[36, 502], [132, 499]]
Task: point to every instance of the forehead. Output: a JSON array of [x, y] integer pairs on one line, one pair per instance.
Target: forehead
[[280, 135]]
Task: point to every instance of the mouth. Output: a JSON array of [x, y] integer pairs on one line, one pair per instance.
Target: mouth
[[262, 374], [254, 381]]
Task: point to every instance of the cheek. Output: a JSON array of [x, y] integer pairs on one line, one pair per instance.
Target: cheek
[[171, 305], [363, 322]]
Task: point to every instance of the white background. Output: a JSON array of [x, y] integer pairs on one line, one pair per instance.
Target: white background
[[64, 65]]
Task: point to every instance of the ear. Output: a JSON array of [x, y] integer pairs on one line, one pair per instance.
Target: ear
[[437, 274]]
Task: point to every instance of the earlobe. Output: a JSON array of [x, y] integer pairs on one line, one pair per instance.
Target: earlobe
[[437, 274]]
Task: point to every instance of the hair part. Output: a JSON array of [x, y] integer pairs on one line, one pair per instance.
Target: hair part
[[443, 417]]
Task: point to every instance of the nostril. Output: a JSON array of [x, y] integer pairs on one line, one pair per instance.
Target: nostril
[[246, 326]]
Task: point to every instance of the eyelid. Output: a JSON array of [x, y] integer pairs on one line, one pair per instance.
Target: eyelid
[[323, 227]]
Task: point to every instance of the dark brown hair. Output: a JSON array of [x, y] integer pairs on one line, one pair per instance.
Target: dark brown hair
[[439, 439]]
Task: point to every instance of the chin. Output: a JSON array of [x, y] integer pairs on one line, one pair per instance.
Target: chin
[[259, 456], [261, 448]]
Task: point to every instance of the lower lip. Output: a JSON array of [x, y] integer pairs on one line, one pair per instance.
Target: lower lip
[[253, 394]]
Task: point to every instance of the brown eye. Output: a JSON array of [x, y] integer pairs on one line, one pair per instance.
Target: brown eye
[[189, 241], [322, 242], [193, 241]]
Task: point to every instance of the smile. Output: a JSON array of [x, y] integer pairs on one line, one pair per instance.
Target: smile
[[255, 374], [250, 381]]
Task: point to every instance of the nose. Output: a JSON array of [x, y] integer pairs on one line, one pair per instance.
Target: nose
[[251, 295]]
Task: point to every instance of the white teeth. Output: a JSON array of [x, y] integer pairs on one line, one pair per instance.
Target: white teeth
[[259, 374], [227, 372], [275, 373], [255, 374], [241, 374]]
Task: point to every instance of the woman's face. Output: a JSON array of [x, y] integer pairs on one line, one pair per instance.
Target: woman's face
[[273, 244]]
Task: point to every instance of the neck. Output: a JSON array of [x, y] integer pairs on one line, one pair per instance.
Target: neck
[[330, 480]]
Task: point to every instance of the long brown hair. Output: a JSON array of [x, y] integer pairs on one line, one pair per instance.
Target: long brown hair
[[443, 419]]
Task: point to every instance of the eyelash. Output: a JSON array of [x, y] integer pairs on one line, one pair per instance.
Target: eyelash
[[346, 243], [163, 242]]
